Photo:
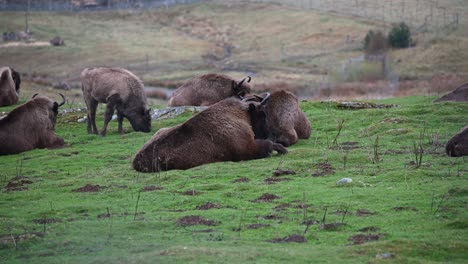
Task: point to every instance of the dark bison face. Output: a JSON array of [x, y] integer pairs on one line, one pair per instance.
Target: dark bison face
[[241, 89], [16, 78], [140, 119], [457, 146]]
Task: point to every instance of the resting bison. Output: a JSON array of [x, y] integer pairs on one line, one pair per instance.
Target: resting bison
[[208, 89], [9, 86], [223, 132], [29, 126], [457, 146], [285, 120], [121, 90]]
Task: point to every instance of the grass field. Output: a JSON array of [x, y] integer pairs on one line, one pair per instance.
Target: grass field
[[418, 213]]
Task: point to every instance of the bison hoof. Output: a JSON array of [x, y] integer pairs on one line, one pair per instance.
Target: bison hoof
[[280, 148]]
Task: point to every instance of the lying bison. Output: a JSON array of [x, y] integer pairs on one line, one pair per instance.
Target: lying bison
[[457, 146], [9, 86], [29, 126], [208, 89], [285, 120], [121, 90], [223, 132]]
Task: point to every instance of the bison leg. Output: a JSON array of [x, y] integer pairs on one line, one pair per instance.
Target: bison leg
[[120, 120], [92, 106], [264, 148], [107, 117]]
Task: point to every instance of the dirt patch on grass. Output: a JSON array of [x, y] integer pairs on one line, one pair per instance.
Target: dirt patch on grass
[[192, 193], [46, 221], [271, 217], [322, 169], [151, 188], [275, 180], [281, 172], [282, 207], [364, 238], [364, 212], [68, 154], [332, 226], [207, 206], [257, 226], [369, 229], [266, 198], [103, 216], [405, 208], [291, 238], [241, 179], [7, 239], [190, 220], [89, 188], [17, 184]]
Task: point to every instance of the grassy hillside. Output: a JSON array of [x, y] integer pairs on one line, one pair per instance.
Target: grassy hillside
[[276, 44], [417, 213]]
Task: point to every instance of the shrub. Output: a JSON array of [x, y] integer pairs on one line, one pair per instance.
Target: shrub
[[375, 42], [400, 36]]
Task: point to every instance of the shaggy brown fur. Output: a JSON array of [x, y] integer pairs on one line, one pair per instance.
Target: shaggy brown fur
[[285, 120], [457, 146], [458, 95], [121, 90], [208, 89], [9, 86], [222, 132], [29, 126]]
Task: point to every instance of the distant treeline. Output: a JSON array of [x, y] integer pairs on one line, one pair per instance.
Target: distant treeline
[[77, 5]]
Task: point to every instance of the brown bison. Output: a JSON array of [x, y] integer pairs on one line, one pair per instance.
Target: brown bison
[[208, 89], [121, 90], [9, 86], [285, 120], [457, 146], [30, 125], [223, 132]]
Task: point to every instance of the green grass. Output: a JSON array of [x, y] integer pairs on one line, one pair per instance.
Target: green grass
[[436, 232]]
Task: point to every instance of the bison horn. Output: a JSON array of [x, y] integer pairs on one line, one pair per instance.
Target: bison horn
[[266, 99], [241, 82], [34, 95], [63, 100], [250, 78]]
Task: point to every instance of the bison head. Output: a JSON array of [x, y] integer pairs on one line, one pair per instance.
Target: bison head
[[258, 116], [140, 119], [240, 89], [52, 107], [16, 79], [457, 146]]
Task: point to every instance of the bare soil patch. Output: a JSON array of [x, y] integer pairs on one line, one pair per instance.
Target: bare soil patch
[[364, 212], [192, 193], [47, 221], [17, 184], [271, 217], [275, 180], [405, 208], [322, 169], [291, 238], [363, 238], [241, 179], [266, 198], [332, 226], [190, 220], [257, 226], [151, 188], [89, 188], [281, 172], [369, 229], [103, 216], [207, 206]]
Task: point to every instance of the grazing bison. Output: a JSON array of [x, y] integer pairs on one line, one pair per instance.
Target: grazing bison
[[208, 89], [285, 120], [9, 86], [29, 126], [121, 90], [457, 146], [223, 132]]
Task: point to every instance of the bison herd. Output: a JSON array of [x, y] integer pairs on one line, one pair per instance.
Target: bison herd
[[237, 125]]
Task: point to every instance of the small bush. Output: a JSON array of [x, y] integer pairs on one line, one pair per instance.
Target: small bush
[[400, 36], [375, 42]]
